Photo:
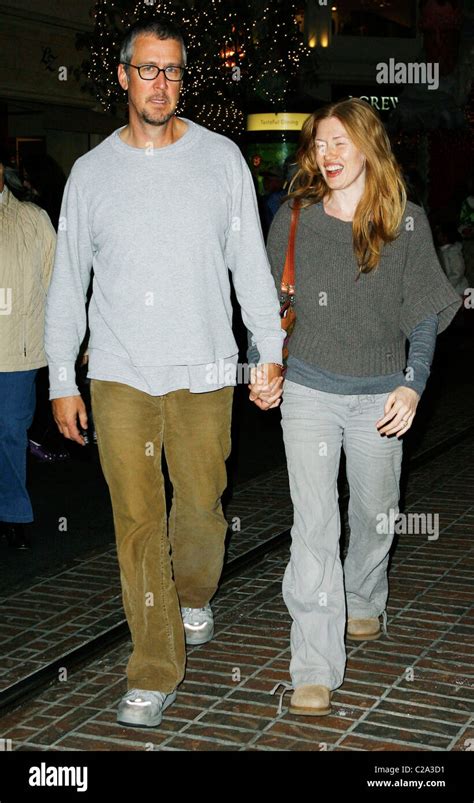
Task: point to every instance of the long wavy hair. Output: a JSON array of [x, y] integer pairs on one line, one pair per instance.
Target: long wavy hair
[[380, 210]]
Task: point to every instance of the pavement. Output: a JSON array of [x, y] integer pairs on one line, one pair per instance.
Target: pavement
[[411, 690]]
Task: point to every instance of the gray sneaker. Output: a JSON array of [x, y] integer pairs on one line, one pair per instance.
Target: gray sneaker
[[141, 708], [198, 624]]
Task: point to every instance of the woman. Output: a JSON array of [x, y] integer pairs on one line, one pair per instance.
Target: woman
[[367, 278]]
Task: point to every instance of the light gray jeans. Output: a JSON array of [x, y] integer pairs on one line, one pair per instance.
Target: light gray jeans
[[316, 588]]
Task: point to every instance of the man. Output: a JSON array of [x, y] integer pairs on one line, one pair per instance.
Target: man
[[161, 209], [27, 242]]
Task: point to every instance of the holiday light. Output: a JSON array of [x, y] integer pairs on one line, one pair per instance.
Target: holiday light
[[235, 56]]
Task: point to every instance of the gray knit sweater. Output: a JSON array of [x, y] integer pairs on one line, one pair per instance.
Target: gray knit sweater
[[359, 328]]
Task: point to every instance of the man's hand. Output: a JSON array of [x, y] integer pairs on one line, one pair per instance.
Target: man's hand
[[400, 409], [266, 385], [66, 411]]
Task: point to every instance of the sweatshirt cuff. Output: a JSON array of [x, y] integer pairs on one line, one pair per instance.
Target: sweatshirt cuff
[[62, 380], [270, 350], [416, 376]]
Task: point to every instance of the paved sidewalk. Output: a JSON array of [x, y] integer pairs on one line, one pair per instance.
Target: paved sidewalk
[[61, 612], [64, 610], [412, 690]]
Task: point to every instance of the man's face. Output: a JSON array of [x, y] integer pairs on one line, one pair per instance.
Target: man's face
[[155, 101]]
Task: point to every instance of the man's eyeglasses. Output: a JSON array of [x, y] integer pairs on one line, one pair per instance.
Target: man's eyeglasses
[[148, 72]]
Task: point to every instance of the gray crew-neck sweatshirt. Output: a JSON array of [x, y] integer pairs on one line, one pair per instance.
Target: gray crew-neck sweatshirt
[[352, 327], [161, 227]]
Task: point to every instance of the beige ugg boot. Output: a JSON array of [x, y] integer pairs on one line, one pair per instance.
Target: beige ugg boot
[[364, 629], [313, 701]]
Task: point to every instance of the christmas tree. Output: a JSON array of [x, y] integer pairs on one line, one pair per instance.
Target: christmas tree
[[239, 55]]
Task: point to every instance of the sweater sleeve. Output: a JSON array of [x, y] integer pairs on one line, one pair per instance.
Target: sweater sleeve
[[420, 354], [277, 244], [247, 259], [426, 290], [66, 319]]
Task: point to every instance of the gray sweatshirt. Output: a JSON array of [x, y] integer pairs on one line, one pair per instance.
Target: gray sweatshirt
[[161, 227]]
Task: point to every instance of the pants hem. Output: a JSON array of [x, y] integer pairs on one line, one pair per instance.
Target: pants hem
[[15, 519]]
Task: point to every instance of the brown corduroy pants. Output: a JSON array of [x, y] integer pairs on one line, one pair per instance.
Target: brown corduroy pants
[[164, 564]]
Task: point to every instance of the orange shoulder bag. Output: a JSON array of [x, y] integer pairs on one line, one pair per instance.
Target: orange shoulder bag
[[287, 285]]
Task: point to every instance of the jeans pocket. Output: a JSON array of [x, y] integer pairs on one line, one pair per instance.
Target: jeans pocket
[[301, 391]]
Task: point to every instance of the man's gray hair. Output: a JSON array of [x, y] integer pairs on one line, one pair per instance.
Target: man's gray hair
[[160, 27]]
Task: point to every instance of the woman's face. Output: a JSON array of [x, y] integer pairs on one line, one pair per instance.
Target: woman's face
[[338, 159]]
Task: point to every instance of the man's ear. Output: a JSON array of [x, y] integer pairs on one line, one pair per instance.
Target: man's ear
[[122, 77]]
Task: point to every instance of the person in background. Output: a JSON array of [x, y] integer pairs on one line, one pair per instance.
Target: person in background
[[451, 257], [43, 182], [273, 183], [27, 244]]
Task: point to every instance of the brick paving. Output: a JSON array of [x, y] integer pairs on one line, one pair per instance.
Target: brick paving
[[65, 610], [411, 690]]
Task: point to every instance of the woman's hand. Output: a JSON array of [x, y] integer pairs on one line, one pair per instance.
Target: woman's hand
[[266, 385], [400, 409]]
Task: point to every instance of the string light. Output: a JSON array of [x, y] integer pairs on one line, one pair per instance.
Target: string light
[[235, 57]]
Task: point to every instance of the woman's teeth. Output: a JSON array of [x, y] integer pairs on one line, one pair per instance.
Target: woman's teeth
[[335, 170]]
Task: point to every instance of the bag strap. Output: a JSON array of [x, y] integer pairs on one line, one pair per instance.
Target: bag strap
[[288, 275]]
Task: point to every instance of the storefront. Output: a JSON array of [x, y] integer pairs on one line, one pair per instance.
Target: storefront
[[271, 142]]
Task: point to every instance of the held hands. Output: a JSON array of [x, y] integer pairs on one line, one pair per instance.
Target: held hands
[[400, 409], [266, 385], [66, 411]]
